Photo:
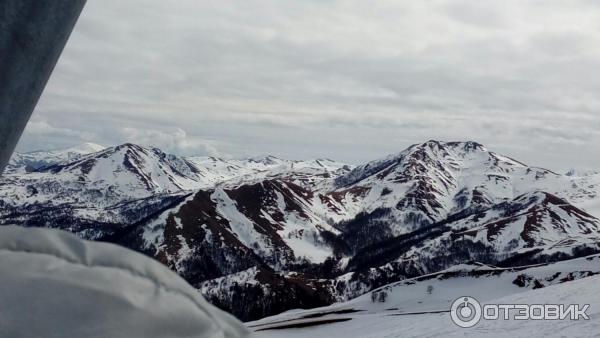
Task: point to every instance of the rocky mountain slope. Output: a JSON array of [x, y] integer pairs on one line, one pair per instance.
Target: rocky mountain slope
[[288, 234]]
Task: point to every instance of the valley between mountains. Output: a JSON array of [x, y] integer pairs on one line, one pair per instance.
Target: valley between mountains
[[261, 236]]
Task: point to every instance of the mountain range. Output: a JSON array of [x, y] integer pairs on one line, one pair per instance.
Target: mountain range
[[261, 236]]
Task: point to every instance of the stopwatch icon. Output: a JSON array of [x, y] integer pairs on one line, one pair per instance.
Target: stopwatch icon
[[465, 312]]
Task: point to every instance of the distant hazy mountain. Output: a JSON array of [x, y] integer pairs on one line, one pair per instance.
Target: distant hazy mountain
[[38, 159]]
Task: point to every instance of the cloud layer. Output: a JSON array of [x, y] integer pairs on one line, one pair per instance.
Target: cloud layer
[[350, 80]]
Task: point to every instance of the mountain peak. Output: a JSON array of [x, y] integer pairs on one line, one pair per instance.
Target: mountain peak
[[128, 145], [467, 146]]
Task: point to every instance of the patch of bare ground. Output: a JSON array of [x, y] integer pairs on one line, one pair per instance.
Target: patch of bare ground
[[305, 324]]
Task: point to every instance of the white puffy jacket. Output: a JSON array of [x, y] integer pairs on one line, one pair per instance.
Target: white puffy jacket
[[53, 284]]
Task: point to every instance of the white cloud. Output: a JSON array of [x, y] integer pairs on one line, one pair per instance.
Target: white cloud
[[40, 134], [43, 128], [176, 141]]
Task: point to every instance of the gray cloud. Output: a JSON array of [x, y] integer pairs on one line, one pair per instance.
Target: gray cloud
[[350, 80]]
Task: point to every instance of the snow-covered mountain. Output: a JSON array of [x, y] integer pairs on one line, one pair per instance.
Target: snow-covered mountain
[[105, 185], [328, 231], [427, 182]]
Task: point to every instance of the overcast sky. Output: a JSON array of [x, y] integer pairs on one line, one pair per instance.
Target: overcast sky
[[348, 80]]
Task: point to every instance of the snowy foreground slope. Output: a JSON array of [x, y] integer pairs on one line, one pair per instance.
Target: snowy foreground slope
[[410, 310], [264, 235], [57, 285]]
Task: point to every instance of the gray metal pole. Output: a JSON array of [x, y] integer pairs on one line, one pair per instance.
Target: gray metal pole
[[33, 33]]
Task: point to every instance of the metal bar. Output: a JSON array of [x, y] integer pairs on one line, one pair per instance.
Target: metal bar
[[33, 34]]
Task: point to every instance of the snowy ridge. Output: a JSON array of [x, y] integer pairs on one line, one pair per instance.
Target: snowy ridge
[[215, 171]]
